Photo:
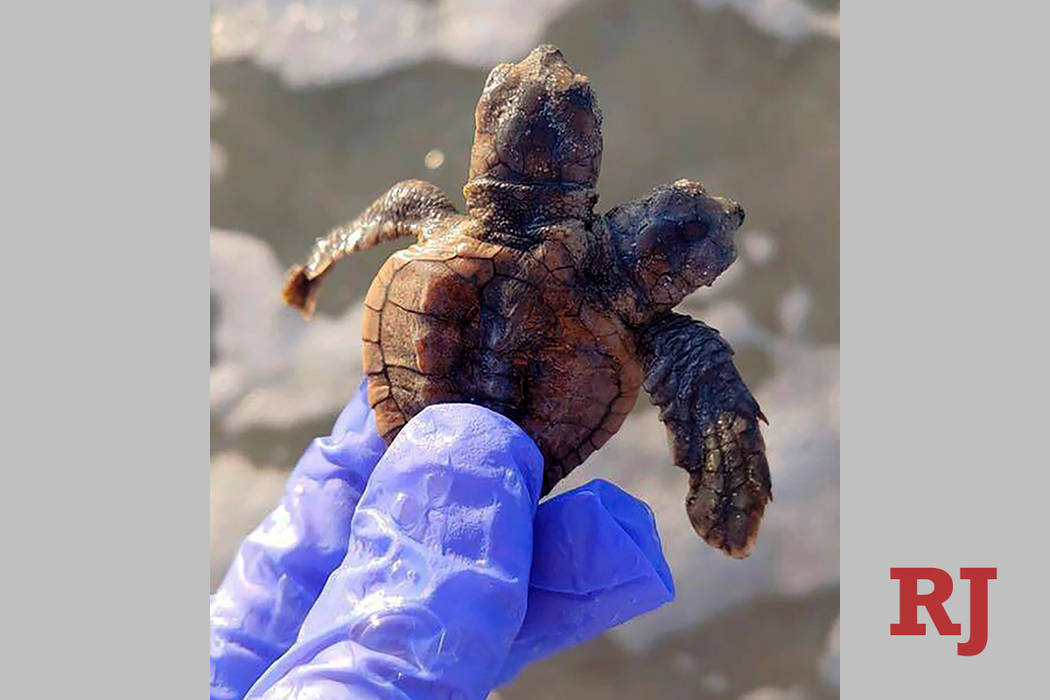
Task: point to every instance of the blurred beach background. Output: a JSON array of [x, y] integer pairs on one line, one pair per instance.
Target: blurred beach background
[[317, 107]]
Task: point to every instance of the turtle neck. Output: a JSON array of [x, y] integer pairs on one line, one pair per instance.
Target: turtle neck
[[503, 205]]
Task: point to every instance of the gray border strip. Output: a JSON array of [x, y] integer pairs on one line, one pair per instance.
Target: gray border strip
[[106, 368]]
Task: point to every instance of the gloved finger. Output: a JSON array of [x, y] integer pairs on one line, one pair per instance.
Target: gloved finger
[[282, 565], [434, 585], [597, 562]]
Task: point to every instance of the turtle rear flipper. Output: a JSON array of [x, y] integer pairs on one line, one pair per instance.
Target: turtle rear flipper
[[409, 208], [712, 424], [300, 290]]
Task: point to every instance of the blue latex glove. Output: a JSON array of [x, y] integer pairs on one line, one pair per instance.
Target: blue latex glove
[[443, 577]]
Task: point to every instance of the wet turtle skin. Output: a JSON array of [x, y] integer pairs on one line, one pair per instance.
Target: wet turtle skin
[[535, 306]]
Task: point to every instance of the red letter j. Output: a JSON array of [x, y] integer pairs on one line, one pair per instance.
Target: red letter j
[[978, 610]]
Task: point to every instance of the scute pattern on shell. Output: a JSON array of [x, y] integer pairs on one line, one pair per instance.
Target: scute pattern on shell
[[499, 327]]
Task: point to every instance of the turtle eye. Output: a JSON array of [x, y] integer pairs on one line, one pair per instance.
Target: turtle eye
[[695, 230], [656, 235]]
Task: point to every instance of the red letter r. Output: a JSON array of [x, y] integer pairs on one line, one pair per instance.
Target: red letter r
[[910, 600]]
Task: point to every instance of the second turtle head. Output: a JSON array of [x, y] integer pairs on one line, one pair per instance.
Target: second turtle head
[[537, 122], [676, 240]]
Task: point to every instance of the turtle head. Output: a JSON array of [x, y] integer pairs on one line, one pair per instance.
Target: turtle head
[[537, 123], [674, 241]]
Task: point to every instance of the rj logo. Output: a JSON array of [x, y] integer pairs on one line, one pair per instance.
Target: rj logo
[[911, 599]]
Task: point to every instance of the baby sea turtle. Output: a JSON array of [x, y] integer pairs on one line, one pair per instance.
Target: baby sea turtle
[[535, 306]]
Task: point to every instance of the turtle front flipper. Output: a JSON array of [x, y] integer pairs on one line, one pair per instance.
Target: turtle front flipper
[[712, 424], [409, 208]]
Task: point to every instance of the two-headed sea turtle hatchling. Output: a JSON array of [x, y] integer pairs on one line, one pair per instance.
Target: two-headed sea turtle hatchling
[[535, 306]]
